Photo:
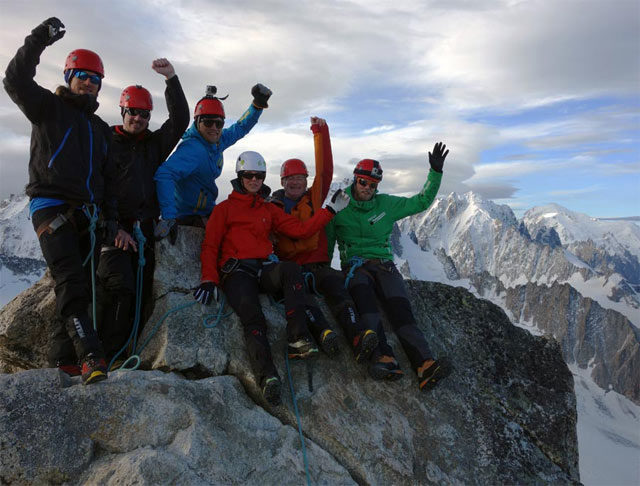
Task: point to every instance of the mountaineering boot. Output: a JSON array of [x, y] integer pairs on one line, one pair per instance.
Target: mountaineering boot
[[431, 372], [329, 342], [364, 344], [385, 368], [71, 369], [271, 388], [302, 348], [94, 369]]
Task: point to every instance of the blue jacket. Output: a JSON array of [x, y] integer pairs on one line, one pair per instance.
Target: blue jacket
[[186, 181]]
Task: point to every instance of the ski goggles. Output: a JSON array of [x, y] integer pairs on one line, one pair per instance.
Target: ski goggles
[[83, 76], [209, 122], [250, 175], [137, 112], [365, 183]]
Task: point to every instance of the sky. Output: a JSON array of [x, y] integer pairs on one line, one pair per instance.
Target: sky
[[538, 101]]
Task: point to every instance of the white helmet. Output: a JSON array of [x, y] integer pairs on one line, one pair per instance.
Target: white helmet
[[252, 161]]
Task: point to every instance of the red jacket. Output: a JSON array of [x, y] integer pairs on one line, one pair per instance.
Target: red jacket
[[314, 249], [239, 227]]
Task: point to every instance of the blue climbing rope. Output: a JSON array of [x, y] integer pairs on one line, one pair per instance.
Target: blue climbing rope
[[355, 262], [295, 408], [141, 240], [310, 283], [93, 220], [218, 315]]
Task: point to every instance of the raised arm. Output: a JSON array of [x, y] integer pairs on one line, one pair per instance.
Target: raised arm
[[32, 99], [249, 118], [401, 207], [172, 129], [323, 159]]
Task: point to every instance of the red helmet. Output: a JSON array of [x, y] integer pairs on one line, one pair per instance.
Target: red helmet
[[84, 59], [136, 97], [369, 169], [293, 167], [209, 106]]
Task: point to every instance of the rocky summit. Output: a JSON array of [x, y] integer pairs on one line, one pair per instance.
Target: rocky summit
[[192, 413]]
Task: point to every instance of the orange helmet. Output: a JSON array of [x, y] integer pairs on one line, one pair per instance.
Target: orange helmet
[[293, 167], [369, 169], [84, 59], [136, 97]]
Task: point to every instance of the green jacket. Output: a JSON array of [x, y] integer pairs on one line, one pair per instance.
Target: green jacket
[[364, 228]]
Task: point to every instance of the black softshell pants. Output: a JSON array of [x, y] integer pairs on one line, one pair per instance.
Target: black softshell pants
[[116, 291], [384, 280], [330, 283], [64, 250], [241, 288]]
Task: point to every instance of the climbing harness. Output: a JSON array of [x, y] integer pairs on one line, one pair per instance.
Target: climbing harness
[[355, 262]]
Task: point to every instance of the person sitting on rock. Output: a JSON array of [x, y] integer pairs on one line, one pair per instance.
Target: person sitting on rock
[[311, 253], [237, 256], [363, 233], [71, 174], [186, 182], [137, 152]]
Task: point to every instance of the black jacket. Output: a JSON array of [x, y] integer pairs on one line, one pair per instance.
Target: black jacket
[[137, 157], [70, 145]]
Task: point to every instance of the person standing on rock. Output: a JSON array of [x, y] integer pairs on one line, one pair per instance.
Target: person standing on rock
[[237, 257], [363, 233], [137, 152], [71, 178], [311, 253], [186, 182]]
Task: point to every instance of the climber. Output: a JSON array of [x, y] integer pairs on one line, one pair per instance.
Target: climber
[[185, 183], [71, 174], [237, 257], [137, 152], [363, 233], [311, 253]]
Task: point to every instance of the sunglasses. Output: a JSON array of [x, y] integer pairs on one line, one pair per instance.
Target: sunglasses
[[365, 183], [83, 76], [250, 175], [138, 111], [209, 122]]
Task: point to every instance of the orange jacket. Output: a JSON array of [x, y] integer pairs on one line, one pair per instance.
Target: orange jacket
[[239, 227], [314, 249]]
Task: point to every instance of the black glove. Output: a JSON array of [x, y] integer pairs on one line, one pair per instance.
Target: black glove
[[110, 227], [261, 95], [206, 292], [50, 30], [436, 160], [164, 228]]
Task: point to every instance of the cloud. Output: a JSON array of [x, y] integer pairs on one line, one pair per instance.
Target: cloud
[[391, 78]]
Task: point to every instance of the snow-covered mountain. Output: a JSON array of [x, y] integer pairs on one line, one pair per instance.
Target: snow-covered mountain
[[479, 236], [544, 277], [21, 261], [608, 247]]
